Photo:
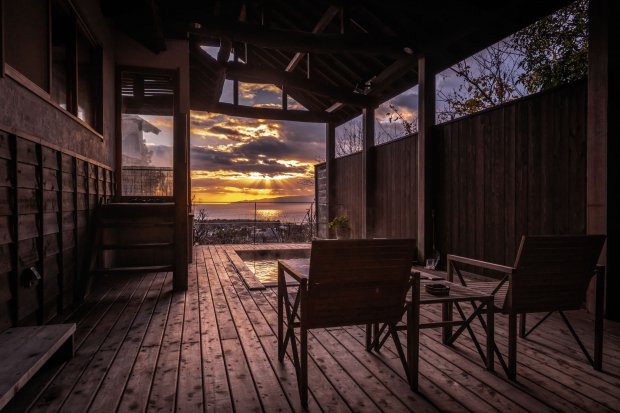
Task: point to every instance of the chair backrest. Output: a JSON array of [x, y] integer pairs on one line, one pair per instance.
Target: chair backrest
[[357, 281], [553, 272]]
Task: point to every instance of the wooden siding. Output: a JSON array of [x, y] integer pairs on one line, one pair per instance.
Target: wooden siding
[[517, 169], [349, 191], [46, 200]]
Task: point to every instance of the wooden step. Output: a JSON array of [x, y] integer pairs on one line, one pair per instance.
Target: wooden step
[[144, 245], [25, 350], [137, 210], [133, 270], [131, 224]]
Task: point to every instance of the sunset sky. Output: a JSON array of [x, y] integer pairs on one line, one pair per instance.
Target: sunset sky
[[240, 159]]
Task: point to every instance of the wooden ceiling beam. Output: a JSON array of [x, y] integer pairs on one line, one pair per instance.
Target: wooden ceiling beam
[[214, 65], [254, 74], [265, 113], [321, 25], [276, 59], [391, 73], [296, 41]]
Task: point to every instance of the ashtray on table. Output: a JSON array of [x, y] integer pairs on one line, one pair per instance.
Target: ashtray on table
[[437, 289]]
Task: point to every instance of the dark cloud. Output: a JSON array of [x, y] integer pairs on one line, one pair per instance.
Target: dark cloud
[[409, 101], [224, 131], [257, 156]]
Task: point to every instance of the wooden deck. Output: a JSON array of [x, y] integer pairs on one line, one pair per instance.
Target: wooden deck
[[140, 347]]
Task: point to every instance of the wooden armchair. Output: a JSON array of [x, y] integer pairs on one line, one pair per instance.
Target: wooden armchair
[[551, 273], [349, 282]]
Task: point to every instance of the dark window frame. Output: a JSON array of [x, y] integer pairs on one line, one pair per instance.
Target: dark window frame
[[72, 79], [176, 115]]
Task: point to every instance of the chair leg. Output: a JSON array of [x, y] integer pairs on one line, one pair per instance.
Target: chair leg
[[303, 376], [413, 345], [522, 323], [598, 318], [368, 337], [512, 346], [490, 336]]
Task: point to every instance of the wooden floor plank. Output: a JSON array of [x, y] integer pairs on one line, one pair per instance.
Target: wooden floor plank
[[190, 394], [162, 397], [268, 388], [242, 387], [215, 377], [142, 347], [113, 324], [103, 382], [136, 394]]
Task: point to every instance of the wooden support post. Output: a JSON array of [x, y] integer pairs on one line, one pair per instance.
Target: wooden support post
[[603, 129], [16, 262], [40, 222], [330, 164], [2, 47], [181, 195], [236, 83], [426, 121], [61, 245], [368, 172]]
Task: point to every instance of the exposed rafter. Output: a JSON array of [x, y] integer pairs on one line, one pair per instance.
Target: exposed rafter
[[297, 41], [253, 74], [265, 113], [321, 25], [394, 71]]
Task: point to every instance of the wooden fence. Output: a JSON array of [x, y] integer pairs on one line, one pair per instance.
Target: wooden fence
[[47, 198], [519, 168]]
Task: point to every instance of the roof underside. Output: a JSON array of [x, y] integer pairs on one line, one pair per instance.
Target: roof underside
[[361, 53]]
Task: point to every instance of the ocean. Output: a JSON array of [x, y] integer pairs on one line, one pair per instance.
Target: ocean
[[263, 211]]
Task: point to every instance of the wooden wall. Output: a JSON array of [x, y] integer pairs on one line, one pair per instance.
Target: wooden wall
[[513, 170], [47, 198], [349, 191], [516, 169], [320, 189], [396, 189]]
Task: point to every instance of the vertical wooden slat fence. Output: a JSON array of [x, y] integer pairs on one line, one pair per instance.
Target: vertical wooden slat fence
[[519, 168], [47, 198]]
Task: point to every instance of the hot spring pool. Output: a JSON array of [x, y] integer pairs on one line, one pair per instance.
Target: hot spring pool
[[264, 263]]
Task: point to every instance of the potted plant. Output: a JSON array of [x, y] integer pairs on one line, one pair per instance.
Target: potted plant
[[340, 226]]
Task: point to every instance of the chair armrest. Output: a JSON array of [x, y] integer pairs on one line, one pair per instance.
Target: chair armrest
[[301, 278], [475, 263], [481, 264]]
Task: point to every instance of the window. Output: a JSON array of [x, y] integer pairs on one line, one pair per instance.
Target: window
[[147, 130], [47, 45], [26, 27], [63, 31], [88, 79]]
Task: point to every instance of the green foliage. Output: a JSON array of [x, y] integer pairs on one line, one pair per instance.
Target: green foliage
[[555, 49], [397, 117], [338, 223], [548, 53]]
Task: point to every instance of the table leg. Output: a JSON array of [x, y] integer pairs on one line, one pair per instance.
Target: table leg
[[413, 334], [413, 344], [369, 337], [490, 335], [446, 316]]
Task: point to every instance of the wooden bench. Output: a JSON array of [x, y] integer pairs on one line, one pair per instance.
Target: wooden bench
[[25, 350]]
